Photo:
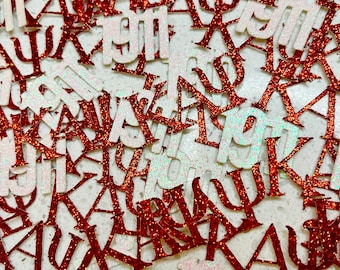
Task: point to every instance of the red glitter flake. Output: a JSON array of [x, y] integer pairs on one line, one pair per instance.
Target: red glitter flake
[[280, 261], [323, 241]]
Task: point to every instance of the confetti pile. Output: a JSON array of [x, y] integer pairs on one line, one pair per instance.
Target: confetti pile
[[131, 131]]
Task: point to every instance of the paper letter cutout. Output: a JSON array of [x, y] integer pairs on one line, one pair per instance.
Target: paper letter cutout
[[257, 10]]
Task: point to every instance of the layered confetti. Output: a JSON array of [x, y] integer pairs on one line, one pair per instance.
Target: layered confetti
[[171, 134]]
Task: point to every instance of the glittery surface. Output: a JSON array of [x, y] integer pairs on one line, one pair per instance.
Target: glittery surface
[[140, 130]]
